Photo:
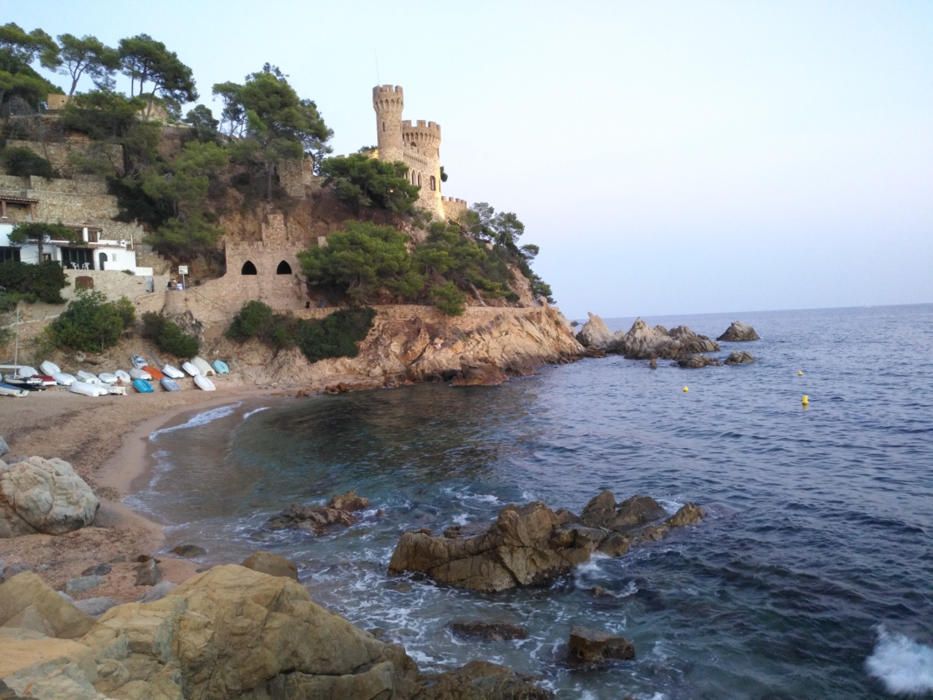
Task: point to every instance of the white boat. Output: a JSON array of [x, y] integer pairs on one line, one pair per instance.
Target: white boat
[[190, 369], [204, 383], [137, 373], [50, 368], [138, 361], [204, 369], [107, 377], [123, 377], [87, 377], [64, 379], [87, 389], [172, 372], [10, 390], [115, 390]]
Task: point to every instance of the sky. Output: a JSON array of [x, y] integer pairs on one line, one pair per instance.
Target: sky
[[667, 157]]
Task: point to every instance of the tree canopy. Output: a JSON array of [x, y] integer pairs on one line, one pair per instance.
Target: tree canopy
[[271, 121], [18, 80], [88, 56], [364, 182], [144, 60]]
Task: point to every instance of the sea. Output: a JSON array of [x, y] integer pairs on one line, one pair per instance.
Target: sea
[[811, 576]]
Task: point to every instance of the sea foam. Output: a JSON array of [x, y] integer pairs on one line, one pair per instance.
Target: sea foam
[[199, 419], [903, 665]]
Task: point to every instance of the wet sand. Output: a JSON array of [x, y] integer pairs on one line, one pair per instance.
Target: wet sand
[[106, 441]]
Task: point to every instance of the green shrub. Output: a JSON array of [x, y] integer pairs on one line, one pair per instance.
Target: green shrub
[[90, 323], [450, 300], [252, 321], [168, 336], [337, 335], [43, 282], [23, 161], [334, 336]]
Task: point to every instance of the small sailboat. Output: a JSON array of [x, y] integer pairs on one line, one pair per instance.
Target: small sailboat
[[11, 390], [221, 367], [169, 384]]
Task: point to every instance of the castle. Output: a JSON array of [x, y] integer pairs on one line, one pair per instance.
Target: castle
[[417, 145]]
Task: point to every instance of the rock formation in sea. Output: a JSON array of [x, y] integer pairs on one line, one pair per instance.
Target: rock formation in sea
[[697, 362], [739, 332], [45, 496], [340, 510], [594, 647], [229, 632], [595, 334], [739, 358], [531, 544], [642, 342]]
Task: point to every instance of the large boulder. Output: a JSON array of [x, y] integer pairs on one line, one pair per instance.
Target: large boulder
[[697, 362], [229, 632], [532, 544], [45, 496], [739, 332], [587, 646], [28, 603], [739, 358], [480, 374], [595, 334], [642, 342]]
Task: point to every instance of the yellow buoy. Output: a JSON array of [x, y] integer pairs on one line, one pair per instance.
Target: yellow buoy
[[805, 400], [799, 372], [686, 389]]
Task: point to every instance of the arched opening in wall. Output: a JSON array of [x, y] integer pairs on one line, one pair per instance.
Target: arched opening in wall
[[383, 126], [433, 184], [102, 260], [419, 179], [284, 268], [248, 268]]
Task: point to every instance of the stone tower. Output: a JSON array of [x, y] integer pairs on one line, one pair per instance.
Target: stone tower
[[388, 101], [416, 144]]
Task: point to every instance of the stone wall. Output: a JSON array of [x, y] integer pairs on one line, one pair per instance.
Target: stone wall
[[64, 156], [115, 284]]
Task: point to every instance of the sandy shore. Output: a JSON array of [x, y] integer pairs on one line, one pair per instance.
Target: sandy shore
[[106, 440]]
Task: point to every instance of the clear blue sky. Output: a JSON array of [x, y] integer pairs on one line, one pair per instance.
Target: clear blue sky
[[668, 157]]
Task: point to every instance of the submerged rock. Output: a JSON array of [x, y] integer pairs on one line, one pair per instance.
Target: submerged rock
[[45, 496], [595, 334], [487, 631], [189, 551], [485, 374], [739, 332], [271, 564], [739, 358], [588, 646], [480, 680], [340, 510], [697, 362], [532, 545]]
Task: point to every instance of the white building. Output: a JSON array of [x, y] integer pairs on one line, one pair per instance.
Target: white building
[[92, 250]]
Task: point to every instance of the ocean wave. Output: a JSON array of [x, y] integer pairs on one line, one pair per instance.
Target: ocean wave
[[199, 419], [902, 664], [255, 411]]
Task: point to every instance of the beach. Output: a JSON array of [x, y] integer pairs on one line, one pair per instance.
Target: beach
[[105, 439]]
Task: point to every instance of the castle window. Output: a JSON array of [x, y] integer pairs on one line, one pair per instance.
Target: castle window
[[419, 179], [248, 268], [383, 126], [284, 268], [433, 184]]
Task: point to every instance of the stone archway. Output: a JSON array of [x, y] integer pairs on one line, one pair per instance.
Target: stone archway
[[248, 268], [284, 268]]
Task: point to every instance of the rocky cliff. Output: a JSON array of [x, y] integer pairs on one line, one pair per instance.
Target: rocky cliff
[[417, 343]]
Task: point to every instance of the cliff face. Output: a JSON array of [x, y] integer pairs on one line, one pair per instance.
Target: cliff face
[[417, 343]]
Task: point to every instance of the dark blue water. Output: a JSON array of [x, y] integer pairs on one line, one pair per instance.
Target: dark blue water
[[812, 577]]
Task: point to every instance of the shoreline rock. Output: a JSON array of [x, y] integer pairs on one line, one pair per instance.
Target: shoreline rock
[[340, 510], [531, 545], [739, 358], [593, 647]]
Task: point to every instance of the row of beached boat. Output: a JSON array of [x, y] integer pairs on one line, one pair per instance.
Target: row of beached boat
[[141, 377]]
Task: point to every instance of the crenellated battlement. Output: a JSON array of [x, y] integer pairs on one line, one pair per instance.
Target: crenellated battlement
[[453, 200], [388, 98], [421, 133]]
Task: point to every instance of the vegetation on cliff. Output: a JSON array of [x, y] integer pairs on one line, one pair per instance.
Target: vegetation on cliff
[[337, 335], [91, 323], [20, 281], [181, 184], [168, 336]]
